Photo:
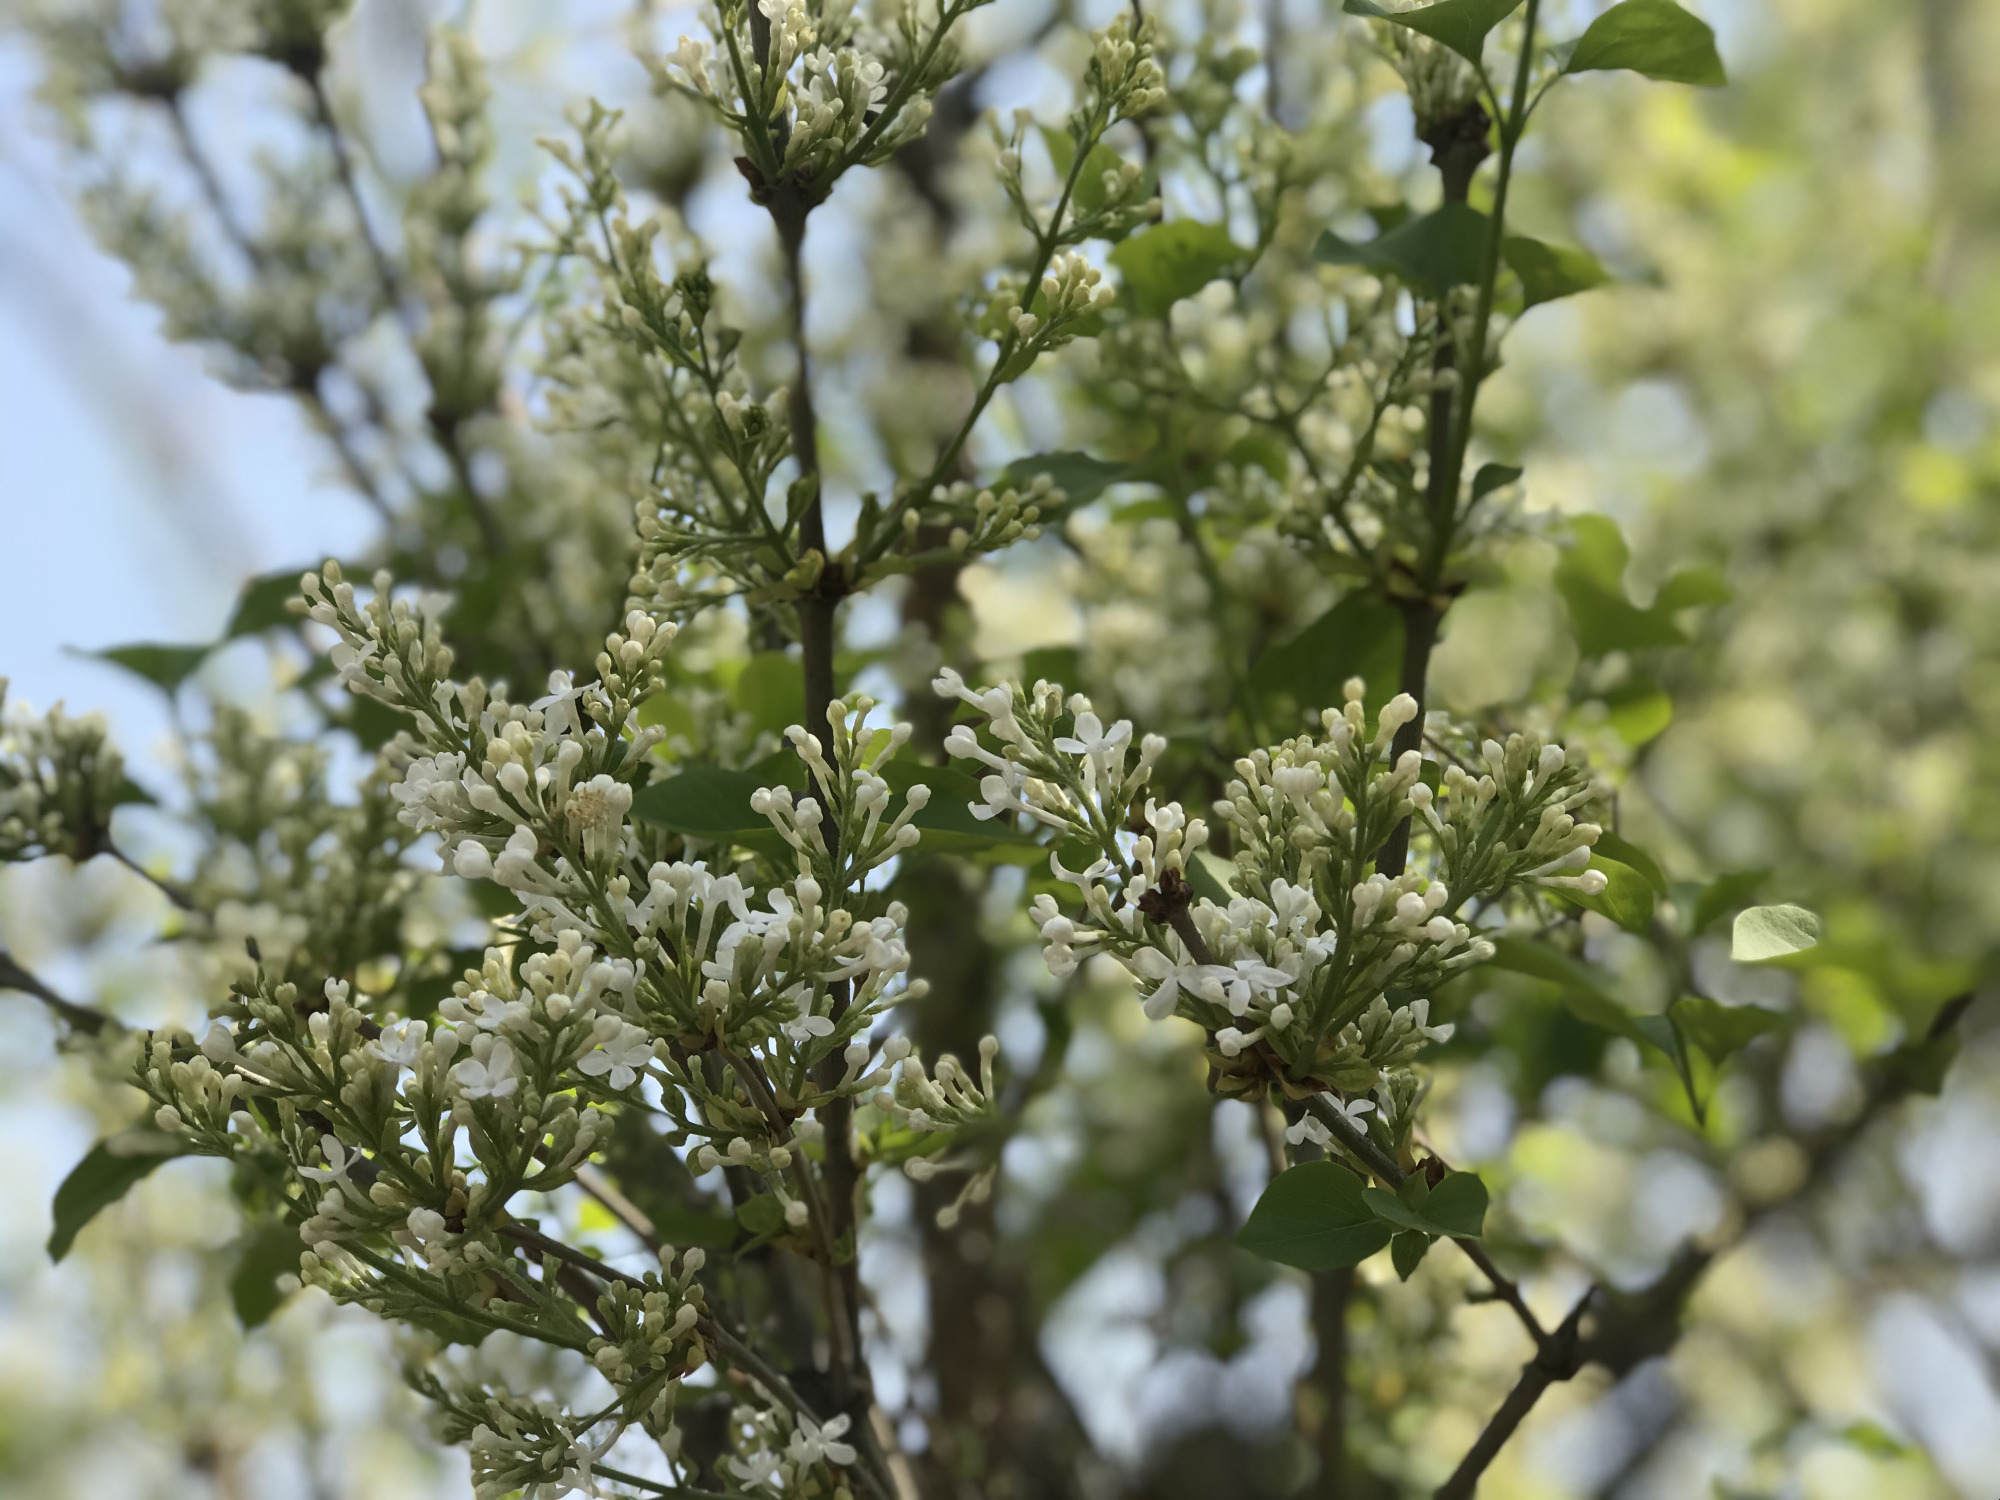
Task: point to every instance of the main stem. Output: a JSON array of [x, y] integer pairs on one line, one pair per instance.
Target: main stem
[[816, 644]]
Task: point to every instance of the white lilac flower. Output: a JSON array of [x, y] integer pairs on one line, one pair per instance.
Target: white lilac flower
[[1093, 739], [759, 1468], [490, 1078], [813, 1444], [402, 1044], [337, 1165], [1172, 979], [1312, 1128], [1252, 977], [558, 709], [624, 1057]]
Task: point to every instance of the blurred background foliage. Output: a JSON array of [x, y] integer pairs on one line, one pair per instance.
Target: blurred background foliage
[[1787, 404]]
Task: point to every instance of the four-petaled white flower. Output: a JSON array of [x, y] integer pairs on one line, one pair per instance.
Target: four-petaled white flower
[[759, 1468], [1199, 980], [337, 1162], [624, 1057], [805, 1026], [1312, 1128], [493, 1078], [813, 1444], [1093, 739], [558, 709], [1252, 977], [401, 1045]]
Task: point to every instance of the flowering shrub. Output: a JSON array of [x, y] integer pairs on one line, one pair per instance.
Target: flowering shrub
[[691, 1003]]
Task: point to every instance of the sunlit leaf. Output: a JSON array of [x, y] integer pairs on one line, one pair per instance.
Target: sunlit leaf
[[1765, 933], [1172, 261], [1655, 38], [1441, 250], [1724, 1030], [1549, 272], [1461, 25], [1627, 897]]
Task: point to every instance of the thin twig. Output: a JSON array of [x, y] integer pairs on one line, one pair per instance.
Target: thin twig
[[1559, 1361], [79, 1017], [167, 888]]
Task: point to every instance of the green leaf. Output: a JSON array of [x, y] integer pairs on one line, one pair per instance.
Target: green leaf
[[1313, 1216], [166, 667], [1089, 195], [1212, 876], [1549, 272], [106, 1174], [709, 802], [762, 1215], [1172, 261], [1723, 895], [1456, 1207], [1876, 1441], [946, 820], [670, 712], [677, 1225], [1262, 448], [1639, 709], [1766, 933], [1407, 1251], [1921, 1066], [1080, 477], [1690, 587], [1492, 477], [1655, 38], [1663, 1032], [1057, 664], [1441, 250], [1723, 1030], [1461, 25], [771, 689], [266, 1253], [1575, 983], [1629, 854], [1591, 578], [370, 721], [1627, 897], [263, 604], [1359, 637]]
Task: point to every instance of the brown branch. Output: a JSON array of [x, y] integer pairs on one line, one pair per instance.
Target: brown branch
[[1558, 1361], [1632, 1329], [78, 1017], [167, 888]]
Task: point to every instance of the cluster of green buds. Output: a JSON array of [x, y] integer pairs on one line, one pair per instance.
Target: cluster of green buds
[[986, 522], [60, 778], [926, 1115]]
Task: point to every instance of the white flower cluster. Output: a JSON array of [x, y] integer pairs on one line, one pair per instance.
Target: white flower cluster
[[1315, 973], [822, 94], [59, 780], [768, 1461], [1078, 783]]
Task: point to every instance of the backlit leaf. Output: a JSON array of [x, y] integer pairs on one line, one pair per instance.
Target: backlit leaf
[[1655, 38]]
